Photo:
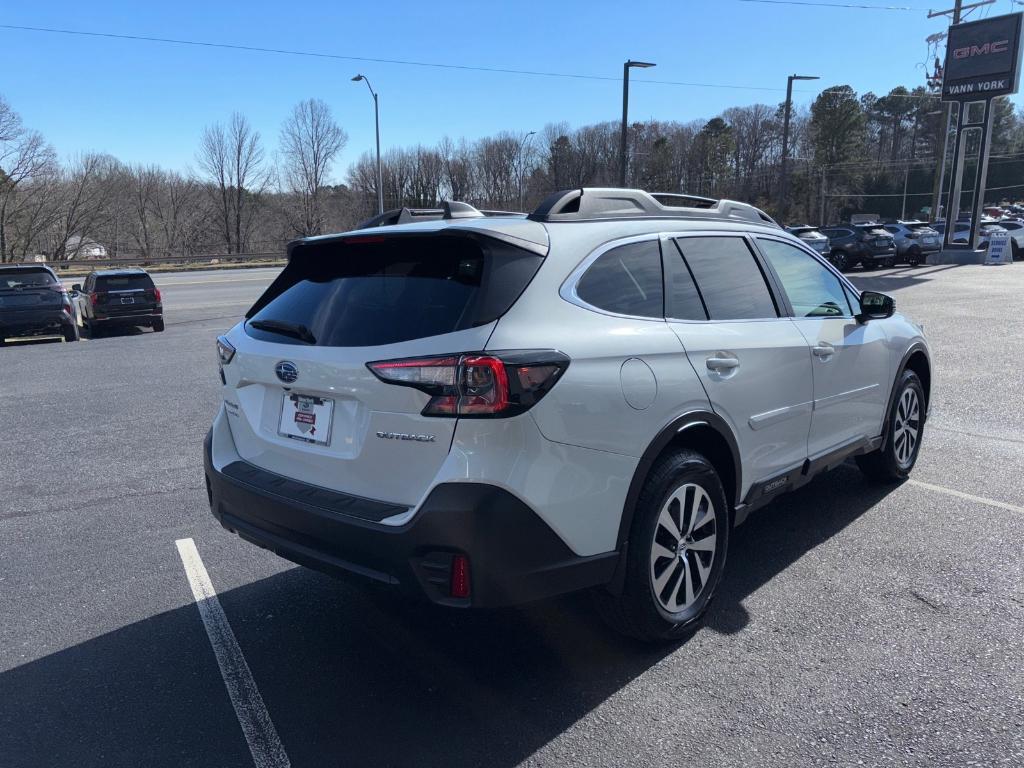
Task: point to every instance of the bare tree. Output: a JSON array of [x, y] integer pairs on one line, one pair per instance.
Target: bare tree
[[310, 143], [234, 159], [24, 156], [87, 190]]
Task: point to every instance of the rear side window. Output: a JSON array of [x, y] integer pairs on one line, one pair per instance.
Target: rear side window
[[123, 282], [24, 278], [728, 277], [682, 299], [369, 291], [626, 280]]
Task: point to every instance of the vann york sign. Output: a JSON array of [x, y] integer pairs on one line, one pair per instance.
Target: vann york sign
[[983, 59]]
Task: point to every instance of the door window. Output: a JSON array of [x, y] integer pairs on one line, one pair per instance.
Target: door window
[[728, 278], [626, 280], [812, 290]]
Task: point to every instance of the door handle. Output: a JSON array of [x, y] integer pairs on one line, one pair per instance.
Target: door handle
[[722, 361], [823, 350]]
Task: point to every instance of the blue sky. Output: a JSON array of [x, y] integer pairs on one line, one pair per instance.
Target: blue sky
[[148, 102]]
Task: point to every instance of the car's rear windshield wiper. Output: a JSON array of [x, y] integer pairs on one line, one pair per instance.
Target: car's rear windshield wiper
[[295, 330]]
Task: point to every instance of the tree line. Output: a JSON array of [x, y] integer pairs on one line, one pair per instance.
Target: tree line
[[848, 153]]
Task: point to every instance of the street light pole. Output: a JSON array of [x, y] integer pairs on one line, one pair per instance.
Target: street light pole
[[519, 162], [784, 180], [629, 64], [376, 120]]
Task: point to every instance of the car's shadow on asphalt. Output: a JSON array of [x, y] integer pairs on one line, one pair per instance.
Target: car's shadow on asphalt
[[355, 677], [895, 279]]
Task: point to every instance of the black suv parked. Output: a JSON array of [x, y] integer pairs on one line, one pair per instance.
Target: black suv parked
[[866, 244], [33, 303], [120, 298]]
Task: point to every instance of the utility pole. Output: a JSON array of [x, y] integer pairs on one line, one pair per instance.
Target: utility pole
[[823, 222], [626, 66], [784, 181], [906, 177], [957, 13]]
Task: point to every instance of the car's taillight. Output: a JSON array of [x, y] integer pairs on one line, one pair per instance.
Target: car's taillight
[[459, 582], [477, 384], [156, 295], [225, 351], [97, 298]]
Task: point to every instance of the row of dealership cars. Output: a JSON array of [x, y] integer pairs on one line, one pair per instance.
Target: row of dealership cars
[[35, 304], [873, 244]]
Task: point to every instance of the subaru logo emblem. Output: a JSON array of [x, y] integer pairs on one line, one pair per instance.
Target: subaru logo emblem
[[286, 371]]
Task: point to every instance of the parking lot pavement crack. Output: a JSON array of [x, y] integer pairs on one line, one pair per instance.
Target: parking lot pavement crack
[[62, 506], [930, 603], [979, 435]]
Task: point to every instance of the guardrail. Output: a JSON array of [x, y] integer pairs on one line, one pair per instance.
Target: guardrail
[[148, 260], [145, 261]]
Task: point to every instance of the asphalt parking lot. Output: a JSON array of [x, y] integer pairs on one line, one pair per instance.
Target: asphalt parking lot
[[855, 624]]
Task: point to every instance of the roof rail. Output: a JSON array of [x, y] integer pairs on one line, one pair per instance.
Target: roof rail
[[451, 209], [591, 203]]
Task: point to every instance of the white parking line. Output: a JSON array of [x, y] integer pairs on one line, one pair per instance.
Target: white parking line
[[968, 496], [264, 743]]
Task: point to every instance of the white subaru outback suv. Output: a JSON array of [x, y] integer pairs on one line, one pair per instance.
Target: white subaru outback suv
[[490, 409]]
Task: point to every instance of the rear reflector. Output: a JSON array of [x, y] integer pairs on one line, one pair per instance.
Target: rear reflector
[[477, 384], [460, 576]]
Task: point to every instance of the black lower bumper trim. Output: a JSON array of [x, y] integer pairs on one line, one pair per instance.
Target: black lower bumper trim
[[514, 556]]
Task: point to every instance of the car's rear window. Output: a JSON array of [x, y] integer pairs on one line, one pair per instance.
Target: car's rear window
[[25, 278], [123, 282], [369, 291]]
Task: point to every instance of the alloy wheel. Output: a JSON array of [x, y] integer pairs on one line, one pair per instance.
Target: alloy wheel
[[683, 549], [906, 427]]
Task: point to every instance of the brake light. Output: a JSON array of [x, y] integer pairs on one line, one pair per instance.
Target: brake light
[[459, 577], [156, 295], [477, 384], [95, 298]]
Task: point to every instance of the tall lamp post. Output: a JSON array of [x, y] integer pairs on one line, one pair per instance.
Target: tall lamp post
[[625, 113], [519, 161], [376, 118], [784, 181]]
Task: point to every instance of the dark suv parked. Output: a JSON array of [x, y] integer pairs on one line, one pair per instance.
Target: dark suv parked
[[866, 244], [33, 303], [121, 298]]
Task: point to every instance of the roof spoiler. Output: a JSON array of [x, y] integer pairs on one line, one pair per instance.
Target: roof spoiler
[[451, 209]]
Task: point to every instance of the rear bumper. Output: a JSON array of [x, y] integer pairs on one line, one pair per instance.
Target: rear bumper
[[514, 556], [23, 324], [128, 319]]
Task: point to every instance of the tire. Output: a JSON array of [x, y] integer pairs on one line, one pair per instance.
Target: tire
[[904, 430], [71, 333], [840, 260], [890, 262], [683, 486], [869, 265], [158, 325], [914, 257]]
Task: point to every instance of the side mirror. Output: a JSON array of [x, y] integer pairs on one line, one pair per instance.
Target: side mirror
[[876, 306], [77, 287]]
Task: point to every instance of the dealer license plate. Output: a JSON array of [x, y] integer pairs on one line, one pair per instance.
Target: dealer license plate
[[306, 418]]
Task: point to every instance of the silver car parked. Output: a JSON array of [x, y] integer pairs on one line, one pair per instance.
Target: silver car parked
[[914, 241], [486, 410]]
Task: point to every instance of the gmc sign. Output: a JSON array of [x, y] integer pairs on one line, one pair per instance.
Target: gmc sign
[[983, 59]]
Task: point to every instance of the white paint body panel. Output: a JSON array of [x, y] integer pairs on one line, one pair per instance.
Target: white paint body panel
[[851, 387], [767, 400]]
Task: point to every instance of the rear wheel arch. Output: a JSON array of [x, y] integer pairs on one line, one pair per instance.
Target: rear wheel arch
[[701, 431]]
